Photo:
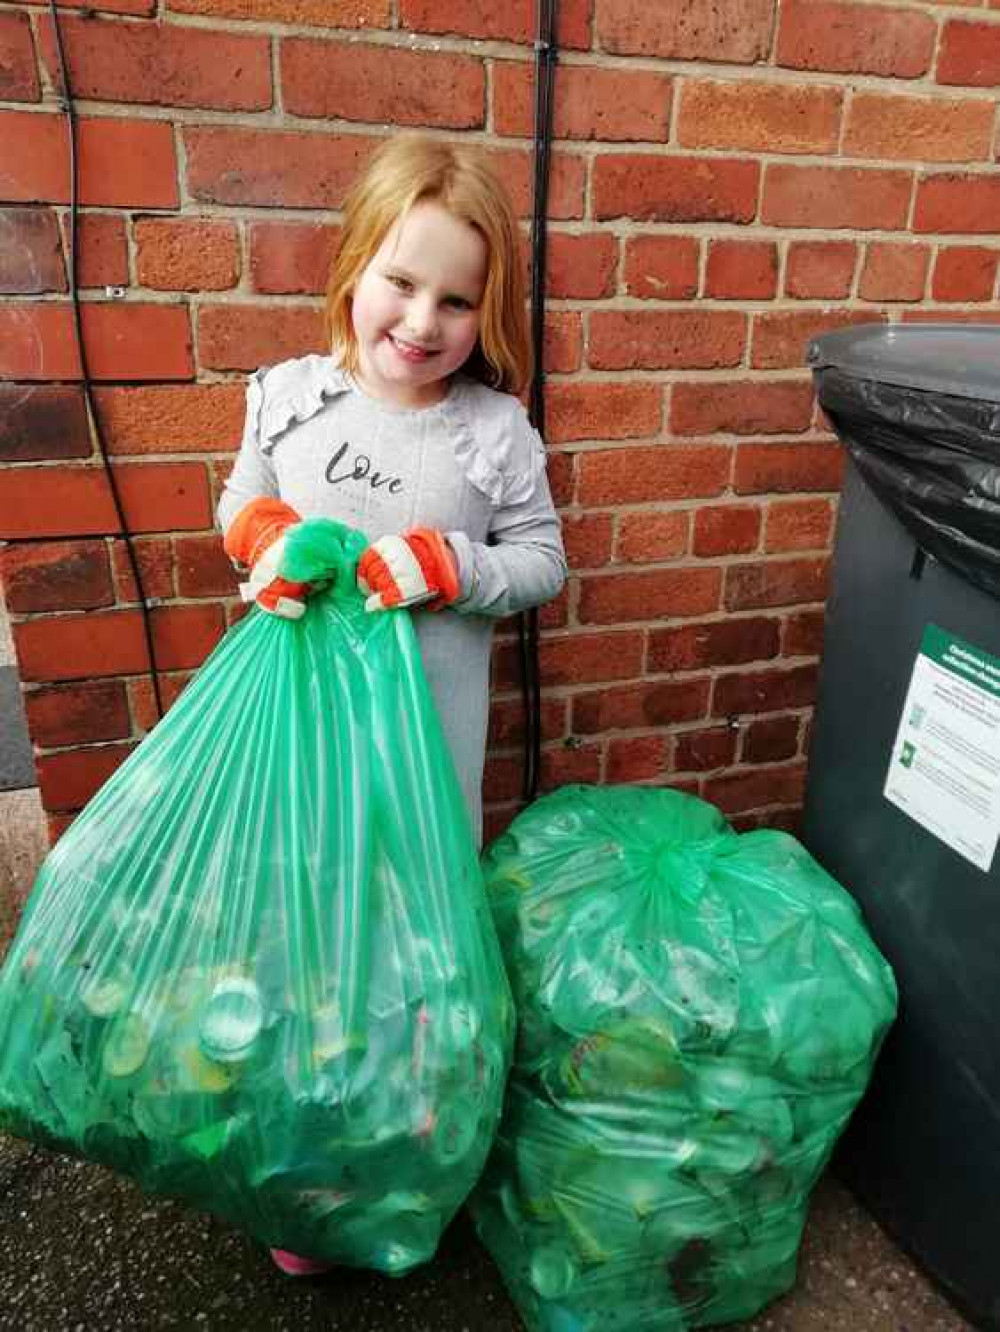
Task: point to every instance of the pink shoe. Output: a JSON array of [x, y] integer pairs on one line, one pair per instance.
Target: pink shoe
[[294, 1265]]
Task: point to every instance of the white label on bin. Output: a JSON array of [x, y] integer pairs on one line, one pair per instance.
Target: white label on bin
[[945, 766]]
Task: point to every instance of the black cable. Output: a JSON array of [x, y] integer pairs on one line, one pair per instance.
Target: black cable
[[67, 105], [528, 635]]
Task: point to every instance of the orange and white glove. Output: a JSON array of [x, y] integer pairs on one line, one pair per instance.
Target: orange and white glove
[[256, 540], [409, 570]]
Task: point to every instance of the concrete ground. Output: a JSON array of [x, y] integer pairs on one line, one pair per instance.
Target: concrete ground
[[83, 1251]]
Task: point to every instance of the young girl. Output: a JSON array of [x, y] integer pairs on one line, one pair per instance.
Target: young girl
[[409, 430]]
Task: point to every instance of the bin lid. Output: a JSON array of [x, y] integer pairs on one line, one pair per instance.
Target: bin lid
[[962, 360]]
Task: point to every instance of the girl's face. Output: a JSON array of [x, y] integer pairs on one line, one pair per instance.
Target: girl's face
[[416, 307]]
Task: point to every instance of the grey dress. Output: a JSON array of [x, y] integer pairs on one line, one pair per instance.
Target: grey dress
[[471, 466]]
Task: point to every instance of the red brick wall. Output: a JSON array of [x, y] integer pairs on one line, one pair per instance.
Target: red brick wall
[[730, 177]]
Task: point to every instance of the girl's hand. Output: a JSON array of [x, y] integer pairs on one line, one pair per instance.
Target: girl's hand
[[256, 540], [408, 570]]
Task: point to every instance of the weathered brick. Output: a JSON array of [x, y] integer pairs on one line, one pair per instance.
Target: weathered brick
[[726, 529], [741, 791], [704, 750], [138, 8], [729, 642], [804, 634], [859, 198], [165, 64], [636, 759], [56, 576], [291, 258], [516, 169], [514, 21], [576, 659], [77, 647], [350, 81], [969, 53], [964, 273], [187, 254], [741, 270], [957, 203], [42, 421], [507, 721], [734, 31], [894, 271], [652, 595], [266, 168], [742, 406], [818, 270], [659, 188], [662, 267], [155, 562], [46, 501], [645, 538], [788, 467], [18, 75], [183, 636], [315, 13], [122, 163], [759, 117], [666, 340], [639, 706], [142, 700], [771, 739], [102, 253], [78, 714], [613, 105], [775, 689], [68, 780], [562, 766], [776, 583], [780, 337], [577, 410], [563, 345], [928, 129], [637, 475], [581, 267], [124, 341], [855, 38], [188, 418], [243, 337], [798, 525], [203, 568], [30, 253]]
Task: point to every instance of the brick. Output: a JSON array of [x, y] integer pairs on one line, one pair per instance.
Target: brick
[[56, 576], [156, 497], [78, 714], [637, 759], [334, 80], [587, 539], [203, 568], [154, 560], [183, 636], [728, 642], [661, 188], [773, 690], [102, 254], [759, 117], [18, 75], [726, 529], [741, 270], [781, 337], [652, 595], [705, 750], [977, 315], [666, 340], [771, 739], [804, 634], [734, 31], [857, 198], [964, 273], [820, 270], [662, 267], [793, 466], [266, 168], [561, 468], [242, 337], [507, 721], [562, 766], [760, 786], [776, 583], [645, 538], [122, 163], [142, 700], [138, 8], [929, 129], [638, 706], [576, 659], [894, 271], [291, 258], [164, 64], [68, 780], [957, 203], [798, 525], [187, 254], [579, 410], [42, 421], [567, 180], [123, 341], [30, 253], [563, 341], [613, 105], [314, 13], [637, 475], [969, 53], [511, 22], [741, 407], [78, 647], [581, 267], [855, 38], [188, 418]]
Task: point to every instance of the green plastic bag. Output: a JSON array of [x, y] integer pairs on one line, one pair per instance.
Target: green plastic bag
[[259, 972], [698, 1014]]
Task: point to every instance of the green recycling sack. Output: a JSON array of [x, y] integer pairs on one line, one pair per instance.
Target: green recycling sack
[[698, 1014], [258, 972]]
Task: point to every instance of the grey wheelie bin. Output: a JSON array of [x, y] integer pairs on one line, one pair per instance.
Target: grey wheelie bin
[[903, 792]]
